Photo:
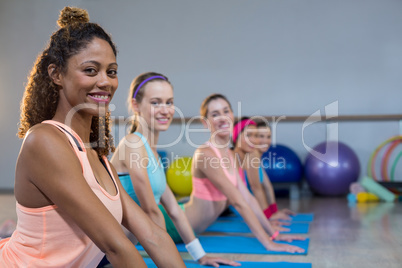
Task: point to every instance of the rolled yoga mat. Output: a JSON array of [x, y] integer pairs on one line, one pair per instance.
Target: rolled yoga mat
[[377, 189], [244, 264], [241, 227], [239, 244]]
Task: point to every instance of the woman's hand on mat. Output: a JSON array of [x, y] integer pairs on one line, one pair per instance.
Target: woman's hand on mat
[[279, 223], [280, 228], [281, 215], [284, 247], [289, 238], [215, 261], [288, 211]]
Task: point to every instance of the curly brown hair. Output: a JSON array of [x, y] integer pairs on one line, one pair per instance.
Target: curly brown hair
[[41, 95]]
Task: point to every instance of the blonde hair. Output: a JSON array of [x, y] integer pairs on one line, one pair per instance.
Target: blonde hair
[[207, 100], [140, 93]]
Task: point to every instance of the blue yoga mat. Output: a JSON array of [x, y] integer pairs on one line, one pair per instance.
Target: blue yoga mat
[[239, 244], [244, 264], [241, 227], [301, 217]]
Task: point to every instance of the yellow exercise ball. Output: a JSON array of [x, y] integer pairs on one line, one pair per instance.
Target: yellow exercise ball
[[178, 176]]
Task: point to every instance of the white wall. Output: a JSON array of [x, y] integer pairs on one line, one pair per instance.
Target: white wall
[[288, 57]]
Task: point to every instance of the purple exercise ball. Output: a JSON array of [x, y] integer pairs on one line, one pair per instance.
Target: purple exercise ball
[[331, 174]]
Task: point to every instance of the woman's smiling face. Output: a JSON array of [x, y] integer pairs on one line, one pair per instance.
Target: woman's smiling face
[[220, 117], [263, 139], [248, 140], [157, 107], [90, 79]]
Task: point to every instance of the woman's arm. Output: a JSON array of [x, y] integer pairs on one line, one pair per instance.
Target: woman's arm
[[152, 237], [207, 164], [178, 216], [184, 228], [261, 217], [61, 181], [253, 175], [268, 188], [263, 220], [136, 160], [253, 204]]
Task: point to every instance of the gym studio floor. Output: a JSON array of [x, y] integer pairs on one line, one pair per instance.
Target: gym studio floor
[[341, 235]]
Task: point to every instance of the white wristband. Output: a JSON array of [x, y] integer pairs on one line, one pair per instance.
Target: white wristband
[[195, 249]]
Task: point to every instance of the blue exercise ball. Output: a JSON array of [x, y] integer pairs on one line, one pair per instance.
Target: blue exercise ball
[[331, 167], [282, 164]]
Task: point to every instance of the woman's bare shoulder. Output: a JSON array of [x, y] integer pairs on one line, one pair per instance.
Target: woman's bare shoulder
[[130, 141], [204, 150], [43, 136]]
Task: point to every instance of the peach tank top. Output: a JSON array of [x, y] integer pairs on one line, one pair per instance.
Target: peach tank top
[[47, 237]]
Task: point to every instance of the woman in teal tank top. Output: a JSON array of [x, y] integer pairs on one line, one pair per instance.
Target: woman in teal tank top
[[155, 172], [141, 171]]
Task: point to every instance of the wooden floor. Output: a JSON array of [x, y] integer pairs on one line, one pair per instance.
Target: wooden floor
[[364, 235]]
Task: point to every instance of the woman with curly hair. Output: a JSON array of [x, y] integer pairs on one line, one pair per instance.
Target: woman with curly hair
[[70, 203]]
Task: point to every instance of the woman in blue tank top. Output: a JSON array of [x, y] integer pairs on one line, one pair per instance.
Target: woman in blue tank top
[[141, 171], [256, 179]]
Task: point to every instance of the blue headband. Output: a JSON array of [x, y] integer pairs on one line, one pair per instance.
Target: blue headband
[[146, 80]]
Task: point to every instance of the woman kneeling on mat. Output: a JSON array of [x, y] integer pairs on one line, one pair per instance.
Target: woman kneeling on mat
[[251, 140], [216, 182], [151, 99], [69, 205]]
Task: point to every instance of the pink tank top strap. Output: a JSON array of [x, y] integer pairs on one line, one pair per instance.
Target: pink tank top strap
[[242, 175], [73, 137], [80, 151], [216, 151], [232, 177]]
